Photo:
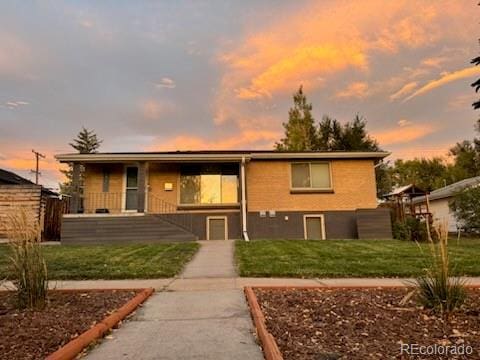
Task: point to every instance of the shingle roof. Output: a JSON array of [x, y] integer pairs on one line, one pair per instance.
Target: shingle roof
[[10, 178], [450, 190]]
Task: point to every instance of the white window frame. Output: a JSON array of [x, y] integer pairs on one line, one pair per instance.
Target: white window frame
[[217, 218], [310, 173], [322, 217]]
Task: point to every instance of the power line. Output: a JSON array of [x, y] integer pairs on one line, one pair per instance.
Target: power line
[[37, 171]]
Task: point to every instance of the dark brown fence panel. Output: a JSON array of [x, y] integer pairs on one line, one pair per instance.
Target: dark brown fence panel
[[52, 226]]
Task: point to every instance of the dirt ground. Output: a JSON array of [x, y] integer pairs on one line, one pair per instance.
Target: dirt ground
[[27, 334], [365, 324]]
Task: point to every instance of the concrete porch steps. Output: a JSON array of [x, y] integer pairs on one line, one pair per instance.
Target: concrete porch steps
[[121, 230]]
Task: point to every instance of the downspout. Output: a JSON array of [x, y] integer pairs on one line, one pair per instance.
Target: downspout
[[244, 201]]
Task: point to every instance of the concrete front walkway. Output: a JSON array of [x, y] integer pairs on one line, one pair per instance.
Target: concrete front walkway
[[214, 260], [212, 323]]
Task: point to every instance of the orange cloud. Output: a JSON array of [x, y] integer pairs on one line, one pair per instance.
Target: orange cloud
[[428, 152], [404, 133], [253, 138], [445, 79], [329, 37], [354, 90], [404, 90], [24, 161], [300, 65]]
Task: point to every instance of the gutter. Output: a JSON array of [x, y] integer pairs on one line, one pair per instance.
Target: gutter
[[244, 201]]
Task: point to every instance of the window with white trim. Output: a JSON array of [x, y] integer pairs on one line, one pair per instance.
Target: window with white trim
[[311, 175]]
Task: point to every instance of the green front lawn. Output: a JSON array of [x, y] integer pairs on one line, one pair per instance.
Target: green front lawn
[[346, 258], [111, 261]]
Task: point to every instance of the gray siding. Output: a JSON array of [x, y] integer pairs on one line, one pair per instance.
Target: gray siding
[[199, 223], [374, 223]]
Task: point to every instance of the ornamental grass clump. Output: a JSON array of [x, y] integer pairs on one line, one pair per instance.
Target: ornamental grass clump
[[27, 264], [439, 288]]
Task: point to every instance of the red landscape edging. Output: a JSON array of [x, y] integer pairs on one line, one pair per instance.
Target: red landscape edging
[[75, 346], [270, 347]]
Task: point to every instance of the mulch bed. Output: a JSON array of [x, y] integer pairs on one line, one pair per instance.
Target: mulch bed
[[28, 334], [363, 324]]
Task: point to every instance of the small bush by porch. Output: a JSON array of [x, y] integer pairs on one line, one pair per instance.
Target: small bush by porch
[[346, 258], [88, 262]]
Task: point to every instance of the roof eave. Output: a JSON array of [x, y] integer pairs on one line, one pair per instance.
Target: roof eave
[[99, 157]]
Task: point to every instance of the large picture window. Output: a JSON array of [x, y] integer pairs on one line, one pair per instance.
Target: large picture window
[[209, 185], [311, 176]]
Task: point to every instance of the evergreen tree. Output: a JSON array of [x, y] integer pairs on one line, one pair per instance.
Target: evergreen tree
[[300, 132], [354, 137], [86, 142]]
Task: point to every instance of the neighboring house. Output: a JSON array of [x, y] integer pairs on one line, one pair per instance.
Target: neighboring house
[[16, 191], [439, 201], [224, 195]]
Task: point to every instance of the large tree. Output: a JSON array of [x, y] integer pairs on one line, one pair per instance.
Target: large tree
[[466, 206], [300, 132], [466, 156], [86, 142], [352, 136], [427, 174]]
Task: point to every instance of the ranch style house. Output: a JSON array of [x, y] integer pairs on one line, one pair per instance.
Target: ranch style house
[[217, 195]]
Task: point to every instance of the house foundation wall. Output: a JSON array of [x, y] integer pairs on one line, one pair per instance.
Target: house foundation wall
[[337, 224]]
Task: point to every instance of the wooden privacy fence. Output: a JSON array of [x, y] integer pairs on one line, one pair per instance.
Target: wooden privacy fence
[[45, 209], [54, 208]]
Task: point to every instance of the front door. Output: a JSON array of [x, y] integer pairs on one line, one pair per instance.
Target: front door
[[314, 228], [217, 228], [131, 188]]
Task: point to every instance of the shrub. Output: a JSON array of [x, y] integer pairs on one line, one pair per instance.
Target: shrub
[[412, 229], [439, 289], [466, 206], [28, 267]]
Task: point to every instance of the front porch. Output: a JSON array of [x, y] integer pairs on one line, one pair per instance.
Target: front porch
[[203, 198]]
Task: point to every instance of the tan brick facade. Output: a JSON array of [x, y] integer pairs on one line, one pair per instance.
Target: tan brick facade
[[158, 176], [268, 187], [94, 197]]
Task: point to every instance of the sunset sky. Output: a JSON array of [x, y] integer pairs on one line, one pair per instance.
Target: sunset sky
[[220, 74]]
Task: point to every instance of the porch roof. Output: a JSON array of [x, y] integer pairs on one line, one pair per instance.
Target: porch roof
[[217, 155]]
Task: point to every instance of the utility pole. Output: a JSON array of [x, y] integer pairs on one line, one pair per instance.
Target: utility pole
[[36, 171]]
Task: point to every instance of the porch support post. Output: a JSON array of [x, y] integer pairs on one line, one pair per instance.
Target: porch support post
[[75, 200], [141, 179]]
